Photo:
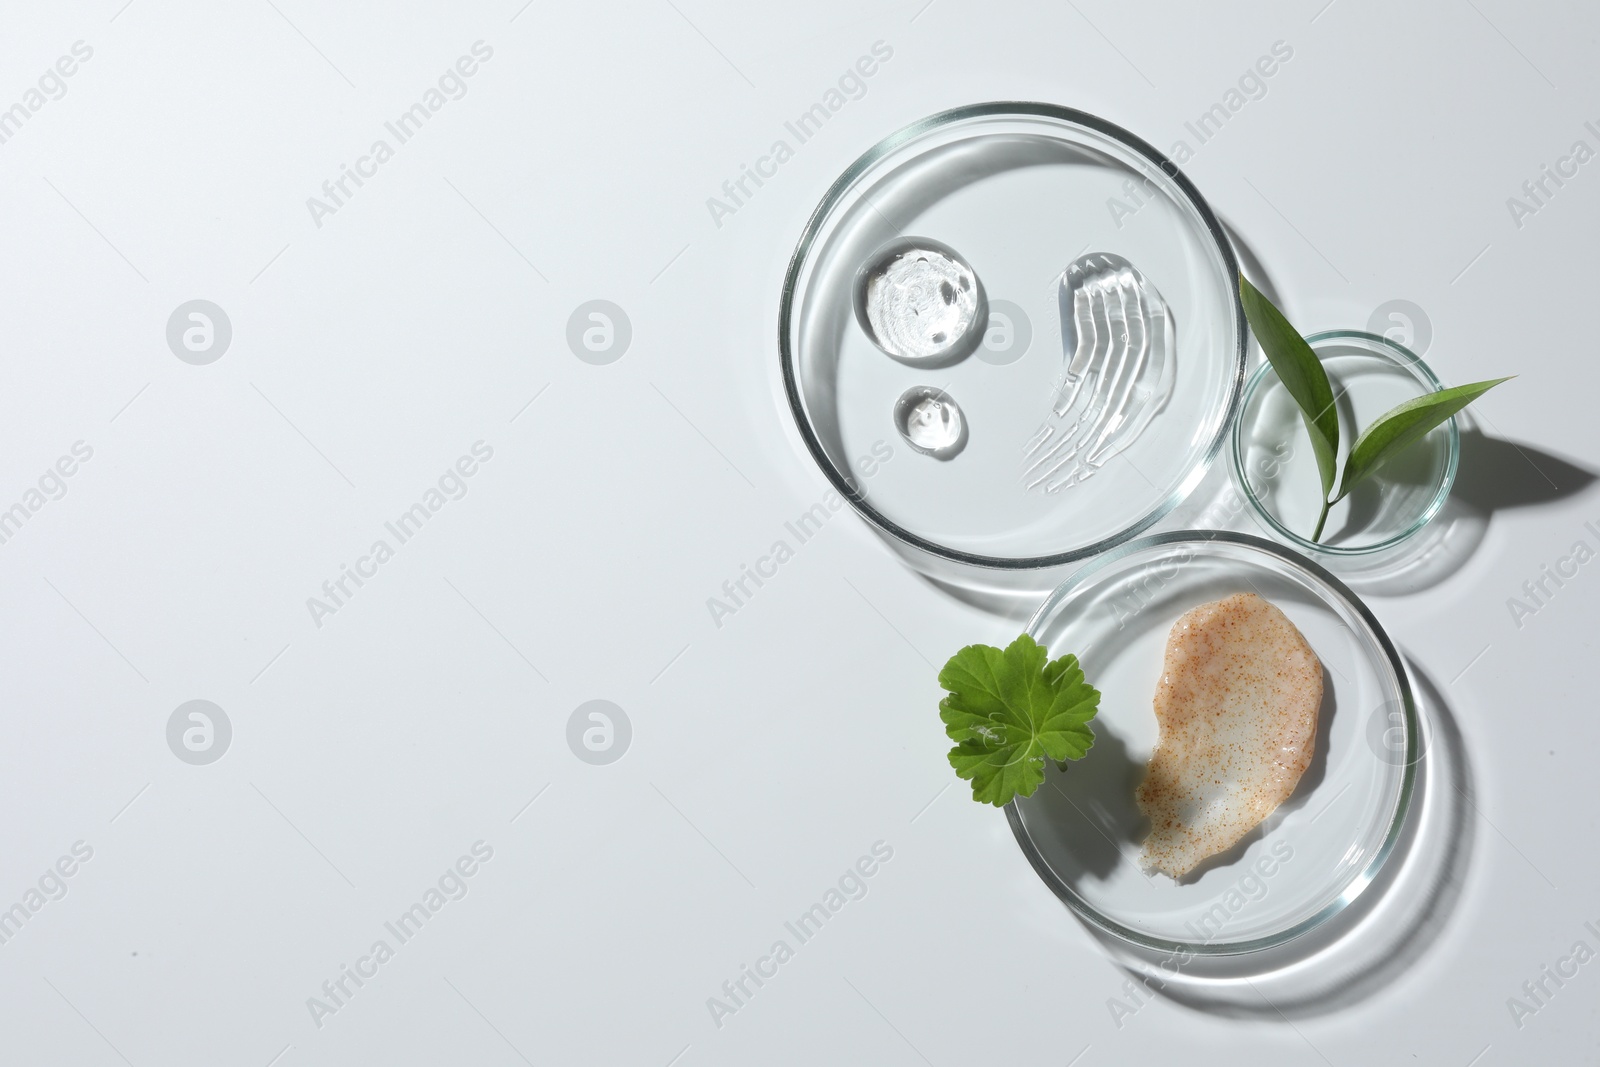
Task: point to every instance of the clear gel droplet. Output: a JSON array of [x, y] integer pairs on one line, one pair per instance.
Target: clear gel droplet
[[919, 301], [931, 421]]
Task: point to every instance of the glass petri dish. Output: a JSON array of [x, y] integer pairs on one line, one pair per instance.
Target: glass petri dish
[[1318, 851], [1019, 191], [1277, 474]]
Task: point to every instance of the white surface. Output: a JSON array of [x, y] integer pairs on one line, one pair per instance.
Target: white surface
[[769, 754]]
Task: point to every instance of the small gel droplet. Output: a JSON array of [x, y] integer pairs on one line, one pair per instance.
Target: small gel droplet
[[931, 422]]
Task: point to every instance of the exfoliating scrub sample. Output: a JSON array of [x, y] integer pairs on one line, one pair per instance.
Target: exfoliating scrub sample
[[1237, 705]]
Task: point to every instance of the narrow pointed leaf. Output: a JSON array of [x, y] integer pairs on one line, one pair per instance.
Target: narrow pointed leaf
[[1403, 426], [1302, 375]]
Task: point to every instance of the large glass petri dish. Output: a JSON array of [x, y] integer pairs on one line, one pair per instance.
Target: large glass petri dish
[[1318, 851], [1019, 191]]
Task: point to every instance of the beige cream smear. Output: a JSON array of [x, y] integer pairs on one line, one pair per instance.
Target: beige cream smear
[[1237, 707]]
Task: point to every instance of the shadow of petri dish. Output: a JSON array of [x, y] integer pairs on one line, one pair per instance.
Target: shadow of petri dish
[[1377, 939]]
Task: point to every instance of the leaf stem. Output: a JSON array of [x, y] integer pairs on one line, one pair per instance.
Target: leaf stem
[[1316, 535]]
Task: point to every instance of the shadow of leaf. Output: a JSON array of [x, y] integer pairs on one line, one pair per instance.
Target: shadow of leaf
[[1495, 474]]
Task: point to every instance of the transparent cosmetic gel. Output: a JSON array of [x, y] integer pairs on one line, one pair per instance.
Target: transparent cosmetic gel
[[931, 421], [1118, 339], [919, 301]]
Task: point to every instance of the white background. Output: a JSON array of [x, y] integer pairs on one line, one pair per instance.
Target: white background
[[767, 754]]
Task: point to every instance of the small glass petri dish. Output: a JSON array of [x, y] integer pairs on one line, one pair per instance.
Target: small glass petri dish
[[1019, 192], [1318, 851], [1276, 473]]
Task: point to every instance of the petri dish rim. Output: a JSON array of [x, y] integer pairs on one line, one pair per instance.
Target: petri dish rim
[[1359, 881], [833, 197]]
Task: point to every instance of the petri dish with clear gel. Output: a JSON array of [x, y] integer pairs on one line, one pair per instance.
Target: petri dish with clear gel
[[1318, 851], [1081, 238]]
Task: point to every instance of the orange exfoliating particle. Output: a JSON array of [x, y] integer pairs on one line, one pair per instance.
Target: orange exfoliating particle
[[1237, 706]]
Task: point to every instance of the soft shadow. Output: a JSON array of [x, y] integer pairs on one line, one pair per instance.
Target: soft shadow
[[1496, 473], [1071, 818], [1402, 478], [1250, 263], [1379, 936], [1014, 597]]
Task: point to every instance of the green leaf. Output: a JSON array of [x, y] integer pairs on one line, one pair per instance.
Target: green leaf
[[1008, 710], [1400, 427], [1301, 372]]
